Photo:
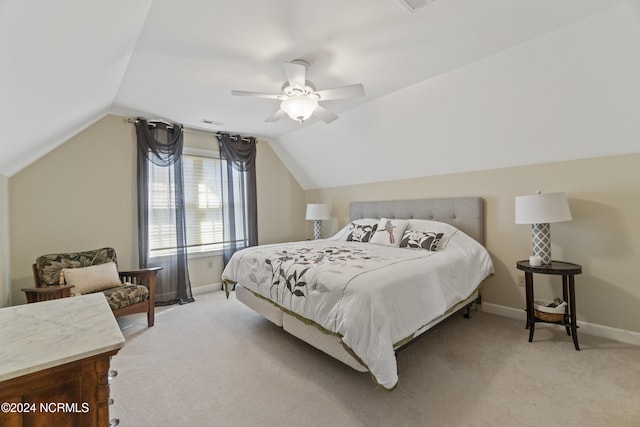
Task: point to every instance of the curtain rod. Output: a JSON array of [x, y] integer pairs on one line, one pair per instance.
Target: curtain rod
[[192, 130]]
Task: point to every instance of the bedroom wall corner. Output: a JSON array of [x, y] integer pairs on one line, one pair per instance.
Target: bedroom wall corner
[[281, 200], [5, 274]]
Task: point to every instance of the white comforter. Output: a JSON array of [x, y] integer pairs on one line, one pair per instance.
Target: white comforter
[[372, 296]]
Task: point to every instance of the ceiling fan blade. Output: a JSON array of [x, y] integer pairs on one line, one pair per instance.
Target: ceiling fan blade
[[276, 116], [350, 91], [324, 114], [256, 94], [296, 74]]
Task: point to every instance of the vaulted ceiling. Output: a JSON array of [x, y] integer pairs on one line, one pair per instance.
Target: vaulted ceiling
[[442, 81]]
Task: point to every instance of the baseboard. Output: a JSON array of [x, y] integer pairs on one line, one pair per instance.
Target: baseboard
[[197, 290], [621, 335], [504, 311]]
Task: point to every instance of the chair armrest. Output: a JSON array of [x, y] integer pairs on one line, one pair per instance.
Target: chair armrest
[[140, 273], [47, 293], [145, 277]]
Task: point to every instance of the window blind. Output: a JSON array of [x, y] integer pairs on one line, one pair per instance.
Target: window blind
[[203, 206]]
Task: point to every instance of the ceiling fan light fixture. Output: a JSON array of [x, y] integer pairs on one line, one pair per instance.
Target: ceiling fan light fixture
[[299, 108], [299, 98]]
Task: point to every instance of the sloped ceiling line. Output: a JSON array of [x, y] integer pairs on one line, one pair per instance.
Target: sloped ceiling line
[[72, 62]]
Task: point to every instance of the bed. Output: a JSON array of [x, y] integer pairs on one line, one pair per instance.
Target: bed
[[395, 271]]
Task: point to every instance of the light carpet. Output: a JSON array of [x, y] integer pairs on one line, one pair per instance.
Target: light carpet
[[215, 362]]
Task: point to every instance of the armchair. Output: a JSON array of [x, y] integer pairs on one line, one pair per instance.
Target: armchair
[[127, 292]]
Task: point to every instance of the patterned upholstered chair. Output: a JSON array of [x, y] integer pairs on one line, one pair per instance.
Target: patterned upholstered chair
[[66, 274]]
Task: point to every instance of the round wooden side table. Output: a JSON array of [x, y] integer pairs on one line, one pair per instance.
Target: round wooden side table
[[559, 268]]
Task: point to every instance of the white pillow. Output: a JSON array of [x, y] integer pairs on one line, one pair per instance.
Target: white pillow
[[93, 278], [389, 232], [427, 226]]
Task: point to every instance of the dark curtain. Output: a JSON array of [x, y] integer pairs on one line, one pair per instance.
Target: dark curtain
[[240, 212], [161, 145]]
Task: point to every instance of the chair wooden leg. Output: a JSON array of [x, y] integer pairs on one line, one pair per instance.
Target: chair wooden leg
[[151, 283], [150, 315]]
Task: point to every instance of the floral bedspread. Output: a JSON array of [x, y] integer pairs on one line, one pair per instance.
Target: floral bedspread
[[297, 275], [372, 296]]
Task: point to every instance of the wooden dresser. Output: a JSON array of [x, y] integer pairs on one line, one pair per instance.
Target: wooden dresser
[[54, 362]]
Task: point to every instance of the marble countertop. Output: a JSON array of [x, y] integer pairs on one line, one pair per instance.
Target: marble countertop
[[41, 335]]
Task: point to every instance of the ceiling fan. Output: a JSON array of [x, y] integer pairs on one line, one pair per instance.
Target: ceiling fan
[[299, 99]]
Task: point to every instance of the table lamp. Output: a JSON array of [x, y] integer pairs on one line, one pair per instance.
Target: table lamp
[[540, 210], [317, 212]]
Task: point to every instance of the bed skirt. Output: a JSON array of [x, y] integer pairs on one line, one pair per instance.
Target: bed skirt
[[316, 336]]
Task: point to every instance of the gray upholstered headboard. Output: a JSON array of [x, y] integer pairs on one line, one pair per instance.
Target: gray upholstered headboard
[[464, 213]]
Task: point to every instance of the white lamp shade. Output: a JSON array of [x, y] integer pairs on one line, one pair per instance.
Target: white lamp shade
[[317, 211], [299, 108], [542, 208]]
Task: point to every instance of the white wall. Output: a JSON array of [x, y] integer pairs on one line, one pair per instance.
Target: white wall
[[570, 94], [4, 242]]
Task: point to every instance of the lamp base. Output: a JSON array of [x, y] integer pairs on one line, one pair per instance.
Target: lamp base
[[541, 238], [317, 229]]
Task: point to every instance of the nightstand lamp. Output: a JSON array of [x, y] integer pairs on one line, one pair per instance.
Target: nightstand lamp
[[540, 210], [317, 212]]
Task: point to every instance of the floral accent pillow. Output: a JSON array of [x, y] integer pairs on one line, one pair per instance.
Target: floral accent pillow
[[426, 225], [389, 232], [421, 239], [361, 233]]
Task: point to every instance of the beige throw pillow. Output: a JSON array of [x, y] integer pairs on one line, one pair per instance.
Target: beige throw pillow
[[93, 278], [389, 232]]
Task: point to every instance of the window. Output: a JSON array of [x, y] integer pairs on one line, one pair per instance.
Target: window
[[203, 183]]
